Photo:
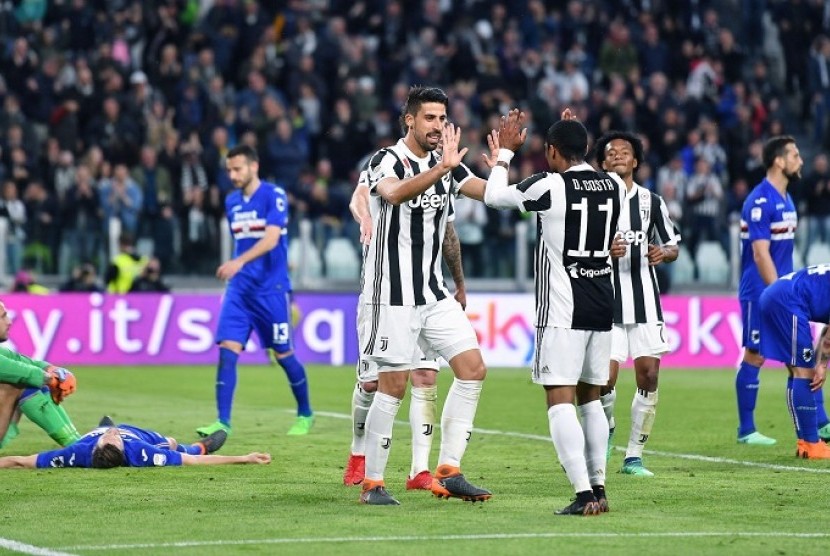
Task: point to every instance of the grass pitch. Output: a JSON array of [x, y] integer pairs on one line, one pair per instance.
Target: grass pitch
[[709, 496]]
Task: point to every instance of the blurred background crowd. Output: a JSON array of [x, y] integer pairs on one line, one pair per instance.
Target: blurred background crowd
[[120, 109]]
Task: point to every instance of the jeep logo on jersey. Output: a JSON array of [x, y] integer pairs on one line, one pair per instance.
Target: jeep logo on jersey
[[634, 237], [428, 201]]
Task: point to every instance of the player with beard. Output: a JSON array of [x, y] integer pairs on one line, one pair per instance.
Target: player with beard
[[768, 224], [407, 304], [258, 295]]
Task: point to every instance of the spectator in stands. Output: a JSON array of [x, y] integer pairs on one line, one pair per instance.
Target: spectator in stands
[[84, 278], [704, 195], [816, 190], [122, 198], [149, 281], [25, 282], [42, 228], [82, 217], [14, 211]]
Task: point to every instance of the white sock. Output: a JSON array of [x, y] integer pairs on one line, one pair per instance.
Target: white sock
[[569, 442], [457, 420], [643, 411], [595, 428], [379, 422], [608, 402], [423, 406], [361, 402]]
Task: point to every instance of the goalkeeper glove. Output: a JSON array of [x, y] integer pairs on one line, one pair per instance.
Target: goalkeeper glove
[[61, 382]]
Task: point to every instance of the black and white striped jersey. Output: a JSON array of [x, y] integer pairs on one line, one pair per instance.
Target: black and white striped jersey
[[402, 265], [577, 213], [644, 219]]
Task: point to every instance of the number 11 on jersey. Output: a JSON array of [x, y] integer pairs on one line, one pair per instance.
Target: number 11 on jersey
[[582, 208]]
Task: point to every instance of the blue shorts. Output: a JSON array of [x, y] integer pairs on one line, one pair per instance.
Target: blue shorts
[[267, 313], [751, 320], [785, 327]]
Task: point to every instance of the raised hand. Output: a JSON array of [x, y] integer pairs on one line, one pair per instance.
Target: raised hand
[[450, 139], [568, 115], [493, 144], [511, 134]]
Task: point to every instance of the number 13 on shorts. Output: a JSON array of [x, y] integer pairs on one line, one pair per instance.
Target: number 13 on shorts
[[281, 333]]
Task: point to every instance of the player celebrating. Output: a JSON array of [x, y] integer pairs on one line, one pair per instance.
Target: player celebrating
[[577, 211], [259, 288], [109, 446], [787, 307], [35, 389], [407, 301], [768, 223], [638, 317], [423, 404]]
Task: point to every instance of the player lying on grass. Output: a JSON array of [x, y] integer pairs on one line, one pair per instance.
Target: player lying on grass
[[33, 388], [124, 445]]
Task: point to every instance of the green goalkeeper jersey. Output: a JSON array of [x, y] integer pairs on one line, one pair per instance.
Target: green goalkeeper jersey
[[20, 370]]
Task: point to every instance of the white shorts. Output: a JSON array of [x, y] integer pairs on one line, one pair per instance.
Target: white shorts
[[638, 340], [564, 356], [394, 336], [367, 370]]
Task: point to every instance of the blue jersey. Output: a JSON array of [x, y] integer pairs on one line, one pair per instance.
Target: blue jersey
[[811, 291], [142, 448], [766, 215], [787, 308], [248, 218]]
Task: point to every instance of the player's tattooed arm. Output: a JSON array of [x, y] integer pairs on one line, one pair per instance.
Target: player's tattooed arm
[[451, 248]]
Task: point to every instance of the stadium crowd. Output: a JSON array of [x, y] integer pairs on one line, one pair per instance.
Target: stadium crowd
[[125, 109]]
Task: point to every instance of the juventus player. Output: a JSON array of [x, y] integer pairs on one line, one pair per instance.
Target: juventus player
[[577, 209], [423, 404], [638, 317], [408, 304]]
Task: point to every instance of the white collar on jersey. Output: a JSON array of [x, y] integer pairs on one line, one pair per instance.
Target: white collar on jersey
[[409, 154], [581, 167]]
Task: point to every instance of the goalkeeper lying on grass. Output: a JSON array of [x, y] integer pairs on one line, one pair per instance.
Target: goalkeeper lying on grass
[[124, 445], [33, 388]]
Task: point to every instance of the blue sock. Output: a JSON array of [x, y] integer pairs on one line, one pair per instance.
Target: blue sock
[[192, 449], [821, 413], [225, 384], [746, 385], [791, 407], [297, 380], [804, 402]]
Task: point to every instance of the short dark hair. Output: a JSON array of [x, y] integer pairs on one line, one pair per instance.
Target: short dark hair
[[775, 147], [630, 138], [244, 150], [107, 457], [569, 137], [419, 95]]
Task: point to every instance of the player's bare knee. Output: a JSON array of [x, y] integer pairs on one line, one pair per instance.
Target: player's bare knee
[[369, 387], [587, 392], [469, 365], [754, 358], [235, 347], [647, 370], [423, 378], [393, 383]]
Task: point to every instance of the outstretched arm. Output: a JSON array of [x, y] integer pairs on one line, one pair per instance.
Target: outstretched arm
[[451, 249], [19, 462], [253, 457]]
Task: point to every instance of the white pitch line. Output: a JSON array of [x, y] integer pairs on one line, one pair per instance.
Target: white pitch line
[[24, 548], [427, 538], [691, 457]]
